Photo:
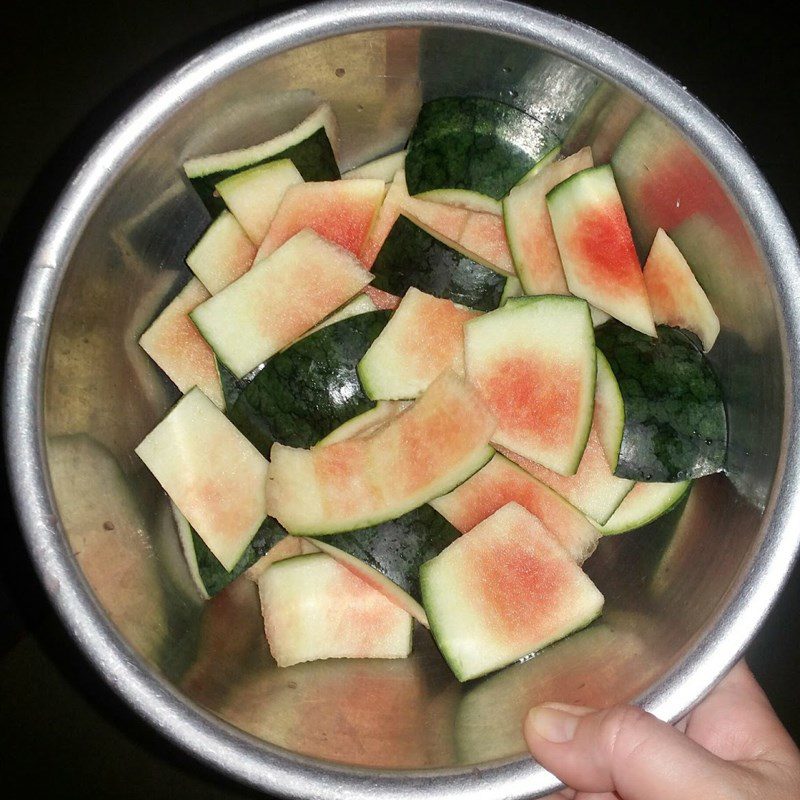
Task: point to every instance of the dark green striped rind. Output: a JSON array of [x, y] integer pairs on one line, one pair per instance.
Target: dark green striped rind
[[313, 157], [398, 548], [308, 390], [214, 576], [473, 143], [675, 422], [411, 256]]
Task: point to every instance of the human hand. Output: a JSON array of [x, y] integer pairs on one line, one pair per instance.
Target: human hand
[[734, 748]]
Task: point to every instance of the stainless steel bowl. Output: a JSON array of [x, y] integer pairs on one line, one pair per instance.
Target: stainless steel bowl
[[683, 599]]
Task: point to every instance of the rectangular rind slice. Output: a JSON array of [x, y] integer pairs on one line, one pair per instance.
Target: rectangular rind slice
[[501, 482], [675, 295], [444, 219], [643, 504], [505, 590], [533, 361], [530, 232], [253, 196], [281, 298], [596, 247], [340, 211], [609, 411], [415, 255], [311, 145], [426, 451], [383, 168], [424, 337], [484, 236], [212, 473], [222, 254], [593, 489], [176, 345], [314, 608], [365, 423]]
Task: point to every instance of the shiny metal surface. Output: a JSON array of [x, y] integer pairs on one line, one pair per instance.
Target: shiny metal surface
[[683, 599]]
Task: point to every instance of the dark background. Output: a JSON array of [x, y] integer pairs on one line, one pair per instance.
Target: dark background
[[66, 73]]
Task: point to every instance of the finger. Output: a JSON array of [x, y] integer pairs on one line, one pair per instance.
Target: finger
[[737, 722], [627, 751]]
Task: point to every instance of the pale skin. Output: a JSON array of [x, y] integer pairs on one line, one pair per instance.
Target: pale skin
[[734, 748]]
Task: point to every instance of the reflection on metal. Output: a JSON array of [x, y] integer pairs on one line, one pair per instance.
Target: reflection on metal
[[674, 619]]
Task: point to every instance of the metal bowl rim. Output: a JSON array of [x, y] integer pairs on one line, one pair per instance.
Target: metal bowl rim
[[257, 763]]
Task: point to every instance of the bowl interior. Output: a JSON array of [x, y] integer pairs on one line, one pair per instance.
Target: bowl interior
[[665, 587]]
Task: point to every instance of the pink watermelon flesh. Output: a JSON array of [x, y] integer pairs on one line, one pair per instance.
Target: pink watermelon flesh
[[447, 220], [533, 361], [383, 300], [501, 482], [596, 247], [484, 236], [422, 453], [374, 579], [340, 211], [505, 590], [675, 295], [315, 608], [530, 232], [424, 337], [593, 489], [175, 344]]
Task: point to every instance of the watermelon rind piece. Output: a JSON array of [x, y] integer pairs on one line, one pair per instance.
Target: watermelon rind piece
[[310, 145], [211, 472], [424, 337], [609, 411], [176, 345], [553, 154], [342, 212], [530, 232], [306, 391], [447, 220], [645, 502], [366, 422], [598, 317], [278, 300], [360, 304], [503, 591], [475, 145], [222, 254], [383, 168], [593, 489], [677, 299], [425, 452], [463, 198], [413, 255], [675, 420], [533, 361], [314, 608], [484, 238], [209, 576], [388, 556], [596, 247], [513, 288], [501, 481], [376, 579], [397, 548], [253, 196]]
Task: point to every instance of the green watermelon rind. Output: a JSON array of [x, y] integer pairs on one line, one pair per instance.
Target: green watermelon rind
[[306, 391], [664, 499], [413, 256], [463, 143], [675, 418], [309, 145]]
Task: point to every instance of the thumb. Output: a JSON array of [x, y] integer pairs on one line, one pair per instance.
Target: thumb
[[625, 750]]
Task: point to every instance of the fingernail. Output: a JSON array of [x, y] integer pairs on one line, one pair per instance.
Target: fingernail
[[555, 725]]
